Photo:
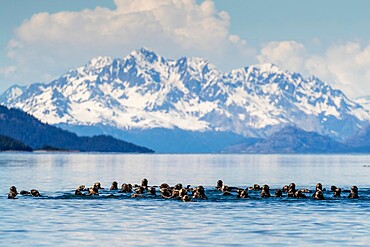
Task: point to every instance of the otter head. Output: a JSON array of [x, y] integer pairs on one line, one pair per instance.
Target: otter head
[[299, 194], [140, 190], [244, 194], [319, 195], [265, 188], [333, 188], [114, 186], [200, 189], [265, 191], [291, 187], [337, 192], [186, 198], [256, 187], [164, 185], [219, 184], [278, 193], [125, 188], [178, 186], [175, 193], [165, 192], [152, 191], [35, 193], [354, 189], [285, 188], [183, 192], [144, 182], [13, 189], [319, 186], [81, 187], [97, 185]]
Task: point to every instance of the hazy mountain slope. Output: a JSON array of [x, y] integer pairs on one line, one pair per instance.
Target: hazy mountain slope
[[292, 140], [27, 129]]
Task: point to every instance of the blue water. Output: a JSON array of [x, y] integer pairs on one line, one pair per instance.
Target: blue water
[[62, 219]]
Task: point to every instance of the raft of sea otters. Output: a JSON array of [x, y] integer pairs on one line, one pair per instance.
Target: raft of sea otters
[[188, 193]]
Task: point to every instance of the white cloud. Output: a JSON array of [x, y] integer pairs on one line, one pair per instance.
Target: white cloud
[[7, 71], [46, 45], [346, 66], [289, 55], [52, 43]]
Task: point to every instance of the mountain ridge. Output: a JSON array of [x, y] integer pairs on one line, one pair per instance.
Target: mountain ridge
[[144, 91]]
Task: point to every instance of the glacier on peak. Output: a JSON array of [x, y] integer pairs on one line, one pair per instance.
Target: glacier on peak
[[144, 90]]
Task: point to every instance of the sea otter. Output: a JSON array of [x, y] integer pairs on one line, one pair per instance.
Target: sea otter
[[144, 183], [12, 192], [219, 184], [175, 194], [354, 193], [35, 193], [255, 187], [285, 189], [242, 193], [114, 186], [333, 188], [152, 191], [318, 195], [337, 192], [78, 191], [94, 190], [278, 193], [318, 188], [200, 193], [183, 192], [135, 195], [165, 193], [291, 190], [299, 194], [125, 188], [140, 190], [265, 191], [164, 185], [186, 198], [178, 186]]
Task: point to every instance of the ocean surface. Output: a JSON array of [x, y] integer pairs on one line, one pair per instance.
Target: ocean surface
[[59, 218]]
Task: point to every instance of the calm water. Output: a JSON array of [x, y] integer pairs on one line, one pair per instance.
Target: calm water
[[60, 218]]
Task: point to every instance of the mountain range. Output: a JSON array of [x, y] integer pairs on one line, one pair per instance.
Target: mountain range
[[187, 105]]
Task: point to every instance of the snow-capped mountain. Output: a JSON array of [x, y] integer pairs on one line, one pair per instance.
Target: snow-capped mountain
[[145, 91]]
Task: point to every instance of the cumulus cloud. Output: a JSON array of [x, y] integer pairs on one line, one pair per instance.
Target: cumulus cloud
[[51, 43], [346, 66], [46, 45], [288, 54], [7, 70]]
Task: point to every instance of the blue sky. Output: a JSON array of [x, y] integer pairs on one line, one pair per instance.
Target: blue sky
[[329, 39]]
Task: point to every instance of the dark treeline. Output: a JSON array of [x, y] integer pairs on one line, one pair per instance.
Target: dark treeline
[[25, 128], [10, 144]]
